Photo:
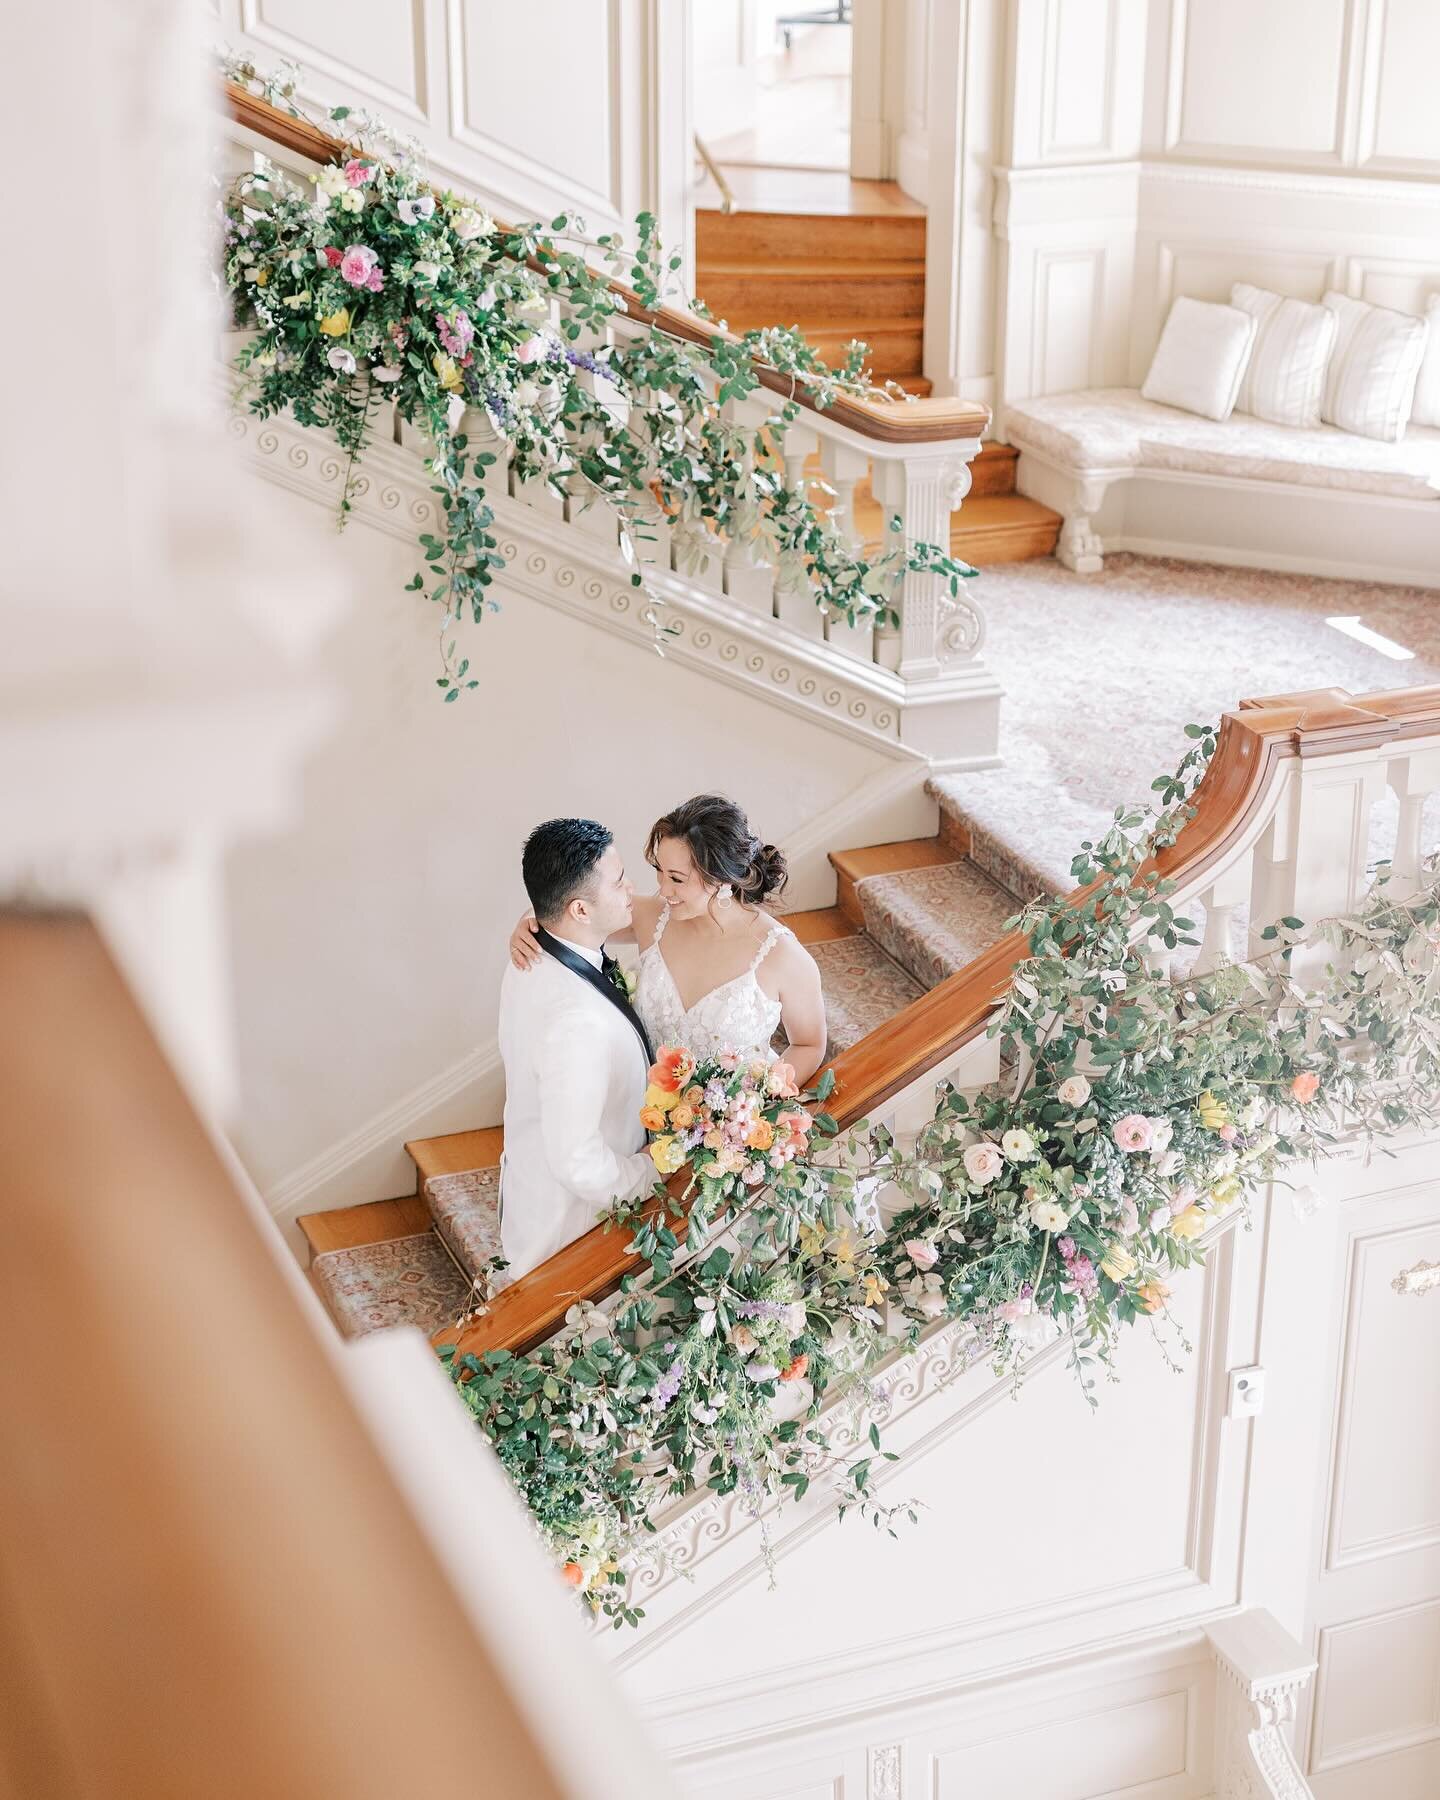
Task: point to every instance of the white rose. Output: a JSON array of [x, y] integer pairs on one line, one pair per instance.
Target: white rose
[[427, 271], [1031, 1330], [1161, 1132], [983, 1163], [1158, 1219], [1074, 1090], [467, 223], [1171, 1163], [1049, 1215], [1018, 1145]]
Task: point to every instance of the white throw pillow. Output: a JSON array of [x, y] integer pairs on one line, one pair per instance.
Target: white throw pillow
[[1427, 388], [1371, 385], [1284, 380], [1200, 358]]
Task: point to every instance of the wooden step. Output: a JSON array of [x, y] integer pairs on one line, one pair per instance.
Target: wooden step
[[1001, 528], [761, 238], [993, 471], [896, 345], [845, 294], [456, 1152], [376, 1222], [851, 866], [821, 926]]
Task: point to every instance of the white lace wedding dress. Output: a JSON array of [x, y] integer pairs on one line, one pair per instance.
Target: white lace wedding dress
[[737, 1016]]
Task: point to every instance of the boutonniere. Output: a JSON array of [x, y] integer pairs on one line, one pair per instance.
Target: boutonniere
[[624, 980]]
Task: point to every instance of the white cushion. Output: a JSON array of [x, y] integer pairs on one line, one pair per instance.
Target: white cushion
[[1200, 358], [1113, 431], [1426, 410], [1284, 379], [1371, 384]]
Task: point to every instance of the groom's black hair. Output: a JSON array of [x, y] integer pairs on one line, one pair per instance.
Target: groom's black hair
[[558, 862]]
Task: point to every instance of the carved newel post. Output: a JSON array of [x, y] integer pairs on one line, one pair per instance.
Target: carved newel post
[[1259, 1675]]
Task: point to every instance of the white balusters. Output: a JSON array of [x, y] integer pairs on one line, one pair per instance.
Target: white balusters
[[748, 577], [1414, 778], [1226, 894], [844, 467], [795, 601]]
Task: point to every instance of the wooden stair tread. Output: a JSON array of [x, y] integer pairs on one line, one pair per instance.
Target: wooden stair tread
[[374, 1222], [891, 859], [456, 1152], [811, 268], [805, 194], [995, 510], [821, 926]]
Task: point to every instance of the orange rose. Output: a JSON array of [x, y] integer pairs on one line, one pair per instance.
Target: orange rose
[[574, 1574], [796, 1369], [652, 1118], [761, 1135], [693, 1096], [1305, 1087], [681, 1116], [1152, 1294]]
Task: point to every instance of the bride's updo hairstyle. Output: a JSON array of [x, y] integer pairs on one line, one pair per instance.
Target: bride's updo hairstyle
[[725, 851]]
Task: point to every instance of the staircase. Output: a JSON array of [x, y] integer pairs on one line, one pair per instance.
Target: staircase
[[907, 916], [861, 274]]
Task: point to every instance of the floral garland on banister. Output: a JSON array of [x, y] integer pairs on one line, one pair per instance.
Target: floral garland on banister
[[1137, 1109], [365, 286]]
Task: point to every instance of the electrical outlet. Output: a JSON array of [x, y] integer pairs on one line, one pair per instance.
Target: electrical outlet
[[1247, 1393]]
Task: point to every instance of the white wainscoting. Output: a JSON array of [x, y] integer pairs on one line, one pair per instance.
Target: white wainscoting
[[537, 109]]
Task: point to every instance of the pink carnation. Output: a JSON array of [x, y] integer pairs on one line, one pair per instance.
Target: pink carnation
[[358, 265], [358, 171], [1133, 1132]]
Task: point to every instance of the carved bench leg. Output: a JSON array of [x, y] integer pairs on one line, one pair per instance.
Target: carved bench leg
[[1079, 546]]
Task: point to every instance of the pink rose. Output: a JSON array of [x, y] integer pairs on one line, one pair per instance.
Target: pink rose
[[1012, 1311], [533, 350], [1133, 1132], [983, 1162], [358, 264], [923, 1255], [781, 1080], [358, 171]]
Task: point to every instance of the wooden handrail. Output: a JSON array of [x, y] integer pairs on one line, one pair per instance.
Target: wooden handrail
[[940, 1023], [886, 422], [210, 1581]]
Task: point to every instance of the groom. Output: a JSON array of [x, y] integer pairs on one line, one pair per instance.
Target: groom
[[576, 1055]]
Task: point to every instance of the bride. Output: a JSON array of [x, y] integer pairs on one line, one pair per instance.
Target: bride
[[717, 972]]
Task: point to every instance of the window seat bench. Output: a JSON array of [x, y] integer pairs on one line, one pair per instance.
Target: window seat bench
[[1128, 474]]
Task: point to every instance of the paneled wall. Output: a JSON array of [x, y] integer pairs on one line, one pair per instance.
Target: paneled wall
[[536, 108], [1174, 147]]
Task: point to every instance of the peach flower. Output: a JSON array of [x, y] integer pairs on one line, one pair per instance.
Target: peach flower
[[573, 1574], [761, 1135], [1305, 1087]]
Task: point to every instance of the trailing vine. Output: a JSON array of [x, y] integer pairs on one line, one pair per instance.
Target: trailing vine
[[1141, 1102], [509, 352]]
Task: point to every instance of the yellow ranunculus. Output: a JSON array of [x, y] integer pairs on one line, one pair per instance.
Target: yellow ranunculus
[[262, 278], [1188, 1224], [447, 372], [667, 1154], [336, 324], [1213, 1113], [1117, 1263], [660, 1097], [1226, 1191]]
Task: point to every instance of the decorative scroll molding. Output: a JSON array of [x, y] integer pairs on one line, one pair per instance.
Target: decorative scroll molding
[[1419, 1279], [1260, 1673], [883, 1780], [567, 566]]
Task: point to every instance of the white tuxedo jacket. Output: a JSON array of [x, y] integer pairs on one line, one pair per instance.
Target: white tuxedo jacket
[[575, 1077]]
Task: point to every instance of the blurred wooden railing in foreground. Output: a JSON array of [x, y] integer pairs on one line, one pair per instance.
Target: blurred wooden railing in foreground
[[930, 1034], [209, 1581]]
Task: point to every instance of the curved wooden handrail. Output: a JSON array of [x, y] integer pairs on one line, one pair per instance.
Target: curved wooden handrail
[[885, 422], [935, 1027]]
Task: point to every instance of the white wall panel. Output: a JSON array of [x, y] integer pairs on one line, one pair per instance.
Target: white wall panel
[[1078, 95], [1378, 1686], [377, 48], [1385, 1496], [1403, 111], [1111, 1750], [497, 110], [1265, 80], [1068, 298], [1400, 282]]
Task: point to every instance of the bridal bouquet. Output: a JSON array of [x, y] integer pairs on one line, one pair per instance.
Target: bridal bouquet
[[739, 1124]]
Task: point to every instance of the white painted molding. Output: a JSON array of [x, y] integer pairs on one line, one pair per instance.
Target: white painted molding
[[580, 572], [1260, 1674]]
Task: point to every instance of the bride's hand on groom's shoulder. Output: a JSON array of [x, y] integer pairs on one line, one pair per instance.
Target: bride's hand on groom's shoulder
[[525, 949]]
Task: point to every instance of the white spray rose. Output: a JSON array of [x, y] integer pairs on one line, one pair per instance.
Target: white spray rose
[[1074, 1090]]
